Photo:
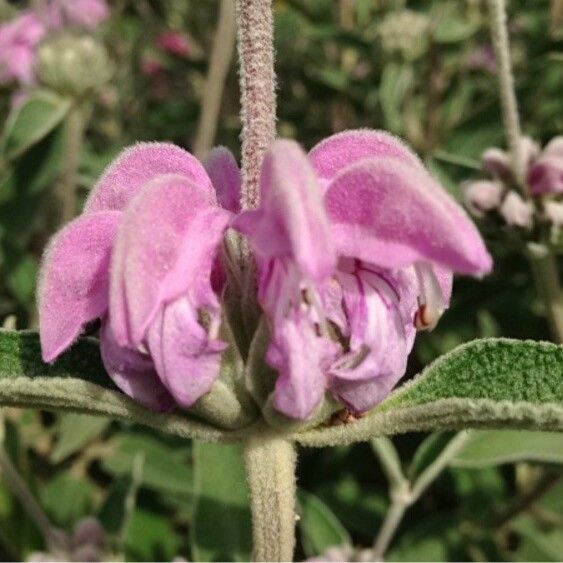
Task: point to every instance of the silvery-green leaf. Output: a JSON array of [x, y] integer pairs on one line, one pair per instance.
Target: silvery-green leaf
[[491, 383]]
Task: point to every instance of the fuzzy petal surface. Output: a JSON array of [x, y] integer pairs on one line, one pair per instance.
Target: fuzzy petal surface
[[166, 245], [140, 164], [391, 214], [225, 176], [186, 358], [291, 221], [74, 280], [134, 373], [335, 153]]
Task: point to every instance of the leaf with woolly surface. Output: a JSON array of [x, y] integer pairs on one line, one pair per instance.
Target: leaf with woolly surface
[[493, 383], [77, 382]]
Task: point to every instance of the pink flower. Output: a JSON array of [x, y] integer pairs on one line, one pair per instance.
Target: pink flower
[[356, 245], [19, 39], [545, 175], [140, 258], [544, 168], [151, 66], [482, 195], [174, 43], [516, 211], [83, 13]]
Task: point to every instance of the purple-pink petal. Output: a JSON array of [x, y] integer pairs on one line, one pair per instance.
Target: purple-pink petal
[[391, 214], [337, 152], [134, 373], [73, 288], [291, 221], [138, 165], [187, 358], [225, 177], [302, 359], [166, 245]]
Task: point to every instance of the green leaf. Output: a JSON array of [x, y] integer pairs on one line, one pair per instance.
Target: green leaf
[[222, 522], [320, 528], [67, 499], [150, 537], [495, 447], [493, 383], [74, 432], [33, 121], [77, 382], [164, 468]]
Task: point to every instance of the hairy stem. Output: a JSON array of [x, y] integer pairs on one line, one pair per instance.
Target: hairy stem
[[430, 474], [219, 63], [66, 191], [20, 489], [258, 95], [404, 494], [548, 286], [270, 467], [390, 525], [509, 104]]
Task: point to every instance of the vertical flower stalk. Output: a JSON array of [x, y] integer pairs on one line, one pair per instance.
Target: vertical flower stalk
[[542, 260], [66, 191], [499, 33], [258, 95], [219, 63], [270, 467], [270, 461]]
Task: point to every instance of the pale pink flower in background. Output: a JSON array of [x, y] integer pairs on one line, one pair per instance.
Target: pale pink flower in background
[[82, 13], [19, 39], [516, 211]]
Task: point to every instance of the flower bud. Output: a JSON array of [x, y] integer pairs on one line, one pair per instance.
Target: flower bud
[[482, 196], [498, 162], [88, 531], [74, 65], [516, 211], [546, 174], [406, 33], [554, 212]]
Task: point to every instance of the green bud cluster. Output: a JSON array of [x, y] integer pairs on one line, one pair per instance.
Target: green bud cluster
[[406, 33], [74, 65]]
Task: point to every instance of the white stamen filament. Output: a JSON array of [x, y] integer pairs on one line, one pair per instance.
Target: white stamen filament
[[430, 299]]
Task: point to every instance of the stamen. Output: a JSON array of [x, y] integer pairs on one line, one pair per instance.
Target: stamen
[[430, 299], [312, 299]]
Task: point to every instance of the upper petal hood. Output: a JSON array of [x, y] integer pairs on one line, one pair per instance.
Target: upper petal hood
[[73, 287], [291, 221], [337, 152], [392, 214], [166, 244], [225, 176], [138, 165]]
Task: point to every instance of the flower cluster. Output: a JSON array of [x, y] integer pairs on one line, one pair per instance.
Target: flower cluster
[[355, 246], [20, 38], [498, 194]]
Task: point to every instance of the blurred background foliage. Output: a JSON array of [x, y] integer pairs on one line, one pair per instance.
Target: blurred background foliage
[[423, 70]]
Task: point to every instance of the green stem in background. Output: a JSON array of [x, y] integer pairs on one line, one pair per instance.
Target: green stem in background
[[509, 104], [546, 277], [270, 468], [255, 21], [66, 190], [219, 64], [20, 489], [403, 493]]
